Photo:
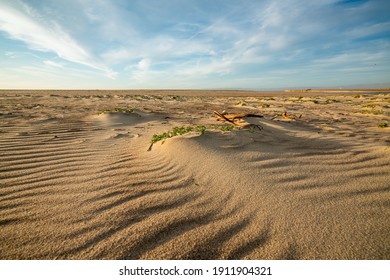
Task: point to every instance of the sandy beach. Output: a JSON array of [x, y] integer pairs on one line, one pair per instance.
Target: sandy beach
[[78, 180]]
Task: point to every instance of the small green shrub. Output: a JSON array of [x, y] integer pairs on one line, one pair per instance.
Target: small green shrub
[[119, 110], [201, 129], [241, 103], [178, 130], [226, 127], [373, 112], [181, 130], [383, 124], [159, 137]]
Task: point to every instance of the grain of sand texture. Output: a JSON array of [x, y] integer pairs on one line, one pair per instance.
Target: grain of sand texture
[[77, 181]]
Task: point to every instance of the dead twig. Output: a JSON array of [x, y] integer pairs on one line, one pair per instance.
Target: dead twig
[[232, 117], [287, 117], [238, 119]]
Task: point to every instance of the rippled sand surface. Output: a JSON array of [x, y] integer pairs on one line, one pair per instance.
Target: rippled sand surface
[[77, 180]]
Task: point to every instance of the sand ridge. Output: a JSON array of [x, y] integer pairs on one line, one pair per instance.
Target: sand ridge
[[77, 181]]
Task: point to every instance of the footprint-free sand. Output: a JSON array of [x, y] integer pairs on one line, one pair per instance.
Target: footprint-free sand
[[77, 180]]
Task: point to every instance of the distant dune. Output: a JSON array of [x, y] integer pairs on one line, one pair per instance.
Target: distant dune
[[341, 90]]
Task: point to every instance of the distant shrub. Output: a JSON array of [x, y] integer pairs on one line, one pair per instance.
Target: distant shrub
[[119, 110], [372, 106], [373, 112], [241, 103]]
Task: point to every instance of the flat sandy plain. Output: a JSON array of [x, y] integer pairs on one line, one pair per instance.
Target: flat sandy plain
[[77, 180]]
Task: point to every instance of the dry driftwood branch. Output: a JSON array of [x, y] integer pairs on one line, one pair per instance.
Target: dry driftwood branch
[[237, 119], [232, 117], [287, 117]]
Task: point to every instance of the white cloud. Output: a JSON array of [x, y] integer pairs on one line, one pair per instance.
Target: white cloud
[[53, 63], [367, 30], [111, 74], [117, 55], [11, 54], [45, 36], [144, 64]]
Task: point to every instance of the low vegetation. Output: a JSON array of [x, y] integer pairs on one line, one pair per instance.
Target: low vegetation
[[383, 124], [300, 99], [176, 131], [225, 127], [119, 110], [331, 101], [265, 99], [373, 112], [181, 130], [241, 103], [201, 129]]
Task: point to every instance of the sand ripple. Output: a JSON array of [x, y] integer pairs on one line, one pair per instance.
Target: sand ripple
[[84, 186]]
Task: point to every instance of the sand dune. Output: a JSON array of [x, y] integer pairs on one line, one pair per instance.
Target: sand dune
[[78, 181]]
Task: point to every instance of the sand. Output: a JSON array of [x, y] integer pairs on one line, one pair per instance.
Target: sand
[[77, 180]]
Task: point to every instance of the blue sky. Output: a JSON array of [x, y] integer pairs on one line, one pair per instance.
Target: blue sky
[[194, 44]]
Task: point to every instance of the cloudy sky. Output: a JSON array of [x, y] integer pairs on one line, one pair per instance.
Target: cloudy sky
[[245, 44]]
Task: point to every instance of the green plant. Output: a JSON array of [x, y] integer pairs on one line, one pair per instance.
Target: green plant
[[383, 124], [159, 137], [178, 130], [372, 106], [201, 129], [241, 103], [226, 128], [331, 101], [119, 110], [308, 100], [223, 128], [373, 112]]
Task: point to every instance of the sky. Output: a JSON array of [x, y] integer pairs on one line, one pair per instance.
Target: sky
[[194, 44]]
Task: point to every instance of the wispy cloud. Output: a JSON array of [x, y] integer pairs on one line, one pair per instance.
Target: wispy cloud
[[53, 63], [144, 64], [25, 24], [202, 43]]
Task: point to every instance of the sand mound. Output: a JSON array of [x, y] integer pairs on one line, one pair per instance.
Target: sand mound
[[120, 118], [306, 192]]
